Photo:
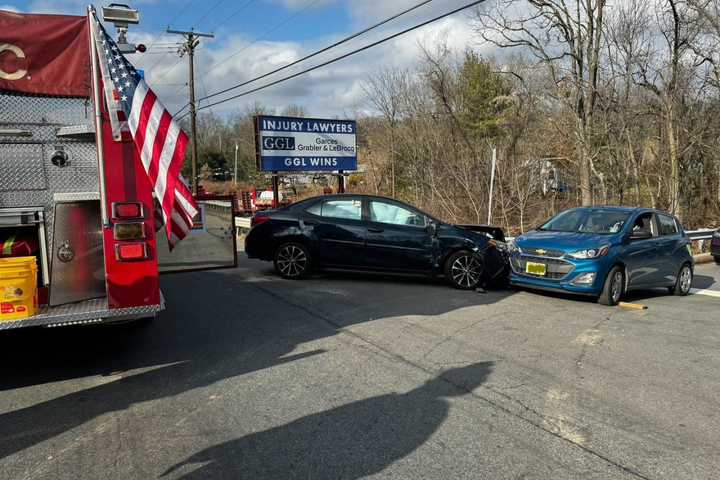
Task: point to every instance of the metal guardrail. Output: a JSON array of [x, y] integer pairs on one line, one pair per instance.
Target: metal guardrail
[[702, 234], [242, 222]]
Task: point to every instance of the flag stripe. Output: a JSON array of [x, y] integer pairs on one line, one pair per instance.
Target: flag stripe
[[159, 140], [164, 162], [151, 131], [138, 99], [160, 137]]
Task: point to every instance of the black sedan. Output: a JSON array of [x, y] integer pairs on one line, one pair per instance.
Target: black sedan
[[715, 246], [375, 234]]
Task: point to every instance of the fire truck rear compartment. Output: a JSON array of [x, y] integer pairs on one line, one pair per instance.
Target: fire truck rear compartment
[[49, 189]]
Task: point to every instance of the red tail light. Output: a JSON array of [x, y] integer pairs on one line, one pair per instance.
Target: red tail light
[[127, 210], [257, 220], [131, 251]]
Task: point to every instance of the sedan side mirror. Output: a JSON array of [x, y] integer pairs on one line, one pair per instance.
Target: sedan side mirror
[[432, 227], [640, 235]]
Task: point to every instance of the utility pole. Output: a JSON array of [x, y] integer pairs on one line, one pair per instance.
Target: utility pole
[[192, 40]]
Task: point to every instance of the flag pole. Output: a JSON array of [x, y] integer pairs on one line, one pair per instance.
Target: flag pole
[[97, 99]]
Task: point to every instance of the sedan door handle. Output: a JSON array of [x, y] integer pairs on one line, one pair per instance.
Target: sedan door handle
[[310, 222], [376, 230]]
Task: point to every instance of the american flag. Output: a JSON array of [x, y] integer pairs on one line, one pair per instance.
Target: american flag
[[134, 108]]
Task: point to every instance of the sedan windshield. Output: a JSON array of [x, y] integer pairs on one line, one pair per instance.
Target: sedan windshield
[[587, 220]]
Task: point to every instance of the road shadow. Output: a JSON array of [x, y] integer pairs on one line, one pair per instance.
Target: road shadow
[[215, 327], [703, 282], [349, 298], [218, 325], [351, 441]]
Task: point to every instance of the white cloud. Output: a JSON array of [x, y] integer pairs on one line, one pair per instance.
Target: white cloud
[[329, 91], [10, 8]]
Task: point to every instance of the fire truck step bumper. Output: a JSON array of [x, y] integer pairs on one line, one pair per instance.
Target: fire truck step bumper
[[80, 313]]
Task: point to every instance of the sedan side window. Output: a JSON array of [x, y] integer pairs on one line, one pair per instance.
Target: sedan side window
[[395, 215], [346, 209], [667, 225]]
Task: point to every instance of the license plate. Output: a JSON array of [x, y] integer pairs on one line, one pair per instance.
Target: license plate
[[533, 268]]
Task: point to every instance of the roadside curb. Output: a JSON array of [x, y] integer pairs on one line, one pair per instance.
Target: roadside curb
[[703, 258]]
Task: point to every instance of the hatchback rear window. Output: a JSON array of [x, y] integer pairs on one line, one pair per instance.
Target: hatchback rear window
[[667, 225]]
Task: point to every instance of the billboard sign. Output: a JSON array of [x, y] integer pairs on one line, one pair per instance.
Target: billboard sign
[[287, 144]]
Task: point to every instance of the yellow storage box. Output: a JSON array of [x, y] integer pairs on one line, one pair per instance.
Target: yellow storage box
[[18, 288]]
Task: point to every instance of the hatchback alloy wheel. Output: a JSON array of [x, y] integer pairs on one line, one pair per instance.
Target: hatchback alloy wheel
[[616, 287], [684, 281], [613, 288], [292, 260]]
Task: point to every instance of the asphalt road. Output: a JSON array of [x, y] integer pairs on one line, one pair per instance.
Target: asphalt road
[[247, 376]]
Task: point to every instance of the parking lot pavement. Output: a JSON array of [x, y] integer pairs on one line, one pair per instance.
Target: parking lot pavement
[[707, 280], [350, 376]]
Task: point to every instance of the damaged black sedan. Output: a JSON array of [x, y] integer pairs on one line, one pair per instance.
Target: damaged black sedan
[[375, 234]]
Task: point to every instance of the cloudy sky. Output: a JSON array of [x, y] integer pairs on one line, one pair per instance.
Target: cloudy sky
[[256, 36]]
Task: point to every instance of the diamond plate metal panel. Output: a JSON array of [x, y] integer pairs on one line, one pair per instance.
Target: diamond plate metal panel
[[44, 118], [76, 196], [22, 167], [91, 311], [26, 110]]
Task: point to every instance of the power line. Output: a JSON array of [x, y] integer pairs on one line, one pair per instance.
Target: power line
[[318, 52], [346, 55], [183, 108], [165, 72], [164, 34], [211, 9], [227, 18], [264, 35]]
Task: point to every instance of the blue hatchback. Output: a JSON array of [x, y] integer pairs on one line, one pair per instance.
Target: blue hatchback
[[604, 252]]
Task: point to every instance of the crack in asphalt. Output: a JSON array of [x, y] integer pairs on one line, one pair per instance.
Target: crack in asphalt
[[394, 356], [584, 349]]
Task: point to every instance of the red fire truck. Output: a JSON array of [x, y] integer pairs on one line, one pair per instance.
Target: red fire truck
[[84, 208]]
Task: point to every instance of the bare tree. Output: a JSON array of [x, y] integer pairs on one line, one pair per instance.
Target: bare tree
[[384, 90], [567, 37], [664, 73]]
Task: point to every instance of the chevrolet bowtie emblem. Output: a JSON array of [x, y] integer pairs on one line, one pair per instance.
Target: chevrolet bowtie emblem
[[540, 251]]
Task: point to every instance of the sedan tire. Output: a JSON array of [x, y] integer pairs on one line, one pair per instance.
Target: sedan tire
[[614, 287], [292, 260], [464, 270], [683, 283], [717, 259]]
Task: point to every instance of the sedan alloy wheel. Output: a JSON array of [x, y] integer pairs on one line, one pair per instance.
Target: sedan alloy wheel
[[465, 270], [292, 260]]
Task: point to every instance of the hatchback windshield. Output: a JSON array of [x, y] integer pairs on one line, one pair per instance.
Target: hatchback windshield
[[587, 220]]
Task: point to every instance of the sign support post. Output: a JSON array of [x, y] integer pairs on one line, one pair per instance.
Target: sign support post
[[341, 182], [276, 190]]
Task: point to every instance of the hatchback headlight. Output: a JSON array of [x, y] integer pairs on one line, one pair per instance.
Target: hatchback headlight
[[590, 253], [512, 247]]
